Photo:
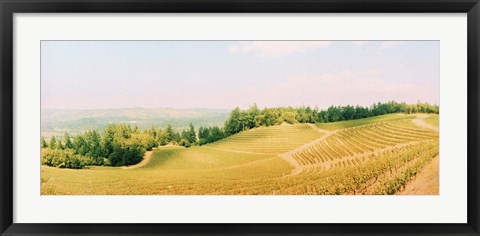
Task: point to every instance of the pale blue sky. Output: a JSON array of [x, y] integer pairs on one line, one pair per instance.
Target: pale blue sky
[[225, 74]]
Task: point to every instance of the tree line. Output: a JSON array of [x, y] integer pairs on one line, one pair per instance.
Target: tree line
[[240, 120], [122, 144]]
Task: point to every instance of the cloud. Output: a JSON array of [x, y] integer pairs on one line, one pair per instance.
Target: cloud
[[389, 44], [273, 49]]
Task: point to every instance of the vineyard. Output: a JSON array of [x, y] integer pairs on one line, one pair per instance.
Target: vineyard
[[377, 155], [348, 146], [268, 140]]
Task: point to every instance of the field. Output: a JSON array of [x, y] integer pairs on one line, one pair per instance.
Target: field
[[377, 155]]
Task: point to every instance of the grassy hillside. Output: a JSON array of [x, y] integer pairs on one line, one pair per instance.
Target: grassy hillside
[[171, 170], [366, 121], [370, 156], [433, 119], [268, 140]]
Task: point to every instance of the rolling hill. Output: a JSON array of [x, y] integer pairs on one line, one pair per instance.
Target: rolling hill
[[378, 155]]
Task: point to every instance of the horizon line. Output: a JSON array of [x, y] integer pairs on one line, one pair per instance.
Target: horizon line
[[210, 108]]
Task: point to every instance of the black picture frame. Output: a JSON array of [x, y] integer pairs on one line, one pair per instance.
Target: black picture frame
[[9, 7]]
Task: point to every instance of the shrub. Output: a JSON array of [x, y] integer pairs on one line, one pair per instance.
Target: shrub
[[127, 154], [184, 142], [62, 158]]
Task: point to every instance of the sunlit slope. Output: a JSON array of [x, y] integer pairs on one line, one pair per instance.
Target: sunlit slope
[[268, 140], [385, 172], [365, 121], [376, 155], [168, 177], [368, 138], [371, 156], [195, 158], [202, 169], [432, 119]]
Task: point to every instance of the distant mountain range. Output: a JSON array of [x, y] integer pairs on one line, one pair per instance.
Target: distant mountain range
[[57, 121]]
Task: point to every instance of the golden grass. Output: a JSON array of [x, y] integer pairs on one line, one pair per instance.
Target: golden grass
[[268, 140], [432, 119], [248, 163]]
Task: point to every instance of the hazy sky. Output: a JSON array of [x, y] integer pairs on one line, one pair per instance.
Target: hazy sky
[[225, 74]]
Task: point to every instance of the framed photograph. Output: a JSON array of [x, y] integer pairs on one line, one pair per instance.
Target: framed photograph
[[239, 117]]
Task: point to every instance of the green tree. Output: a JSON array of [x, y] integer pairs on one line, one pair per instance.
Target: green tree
[[53, 142], [67, 141], [94, 147], [348, 112], [233, 124], [59, 145], [108, 138], [170, 134], [203, 135], [43, 143], [334, 114], [251, 116], [79, 145], [184, 142], [216, 133], [191, 135], [303, 115], [289, 117], [162, 137]]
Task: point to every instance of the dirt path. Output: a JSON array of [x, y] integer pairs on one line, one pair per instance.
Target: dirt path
[[288, 156], [298, 168], [426, 181], [313, 126], [330, 164], [146, 159], [420, 122]]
